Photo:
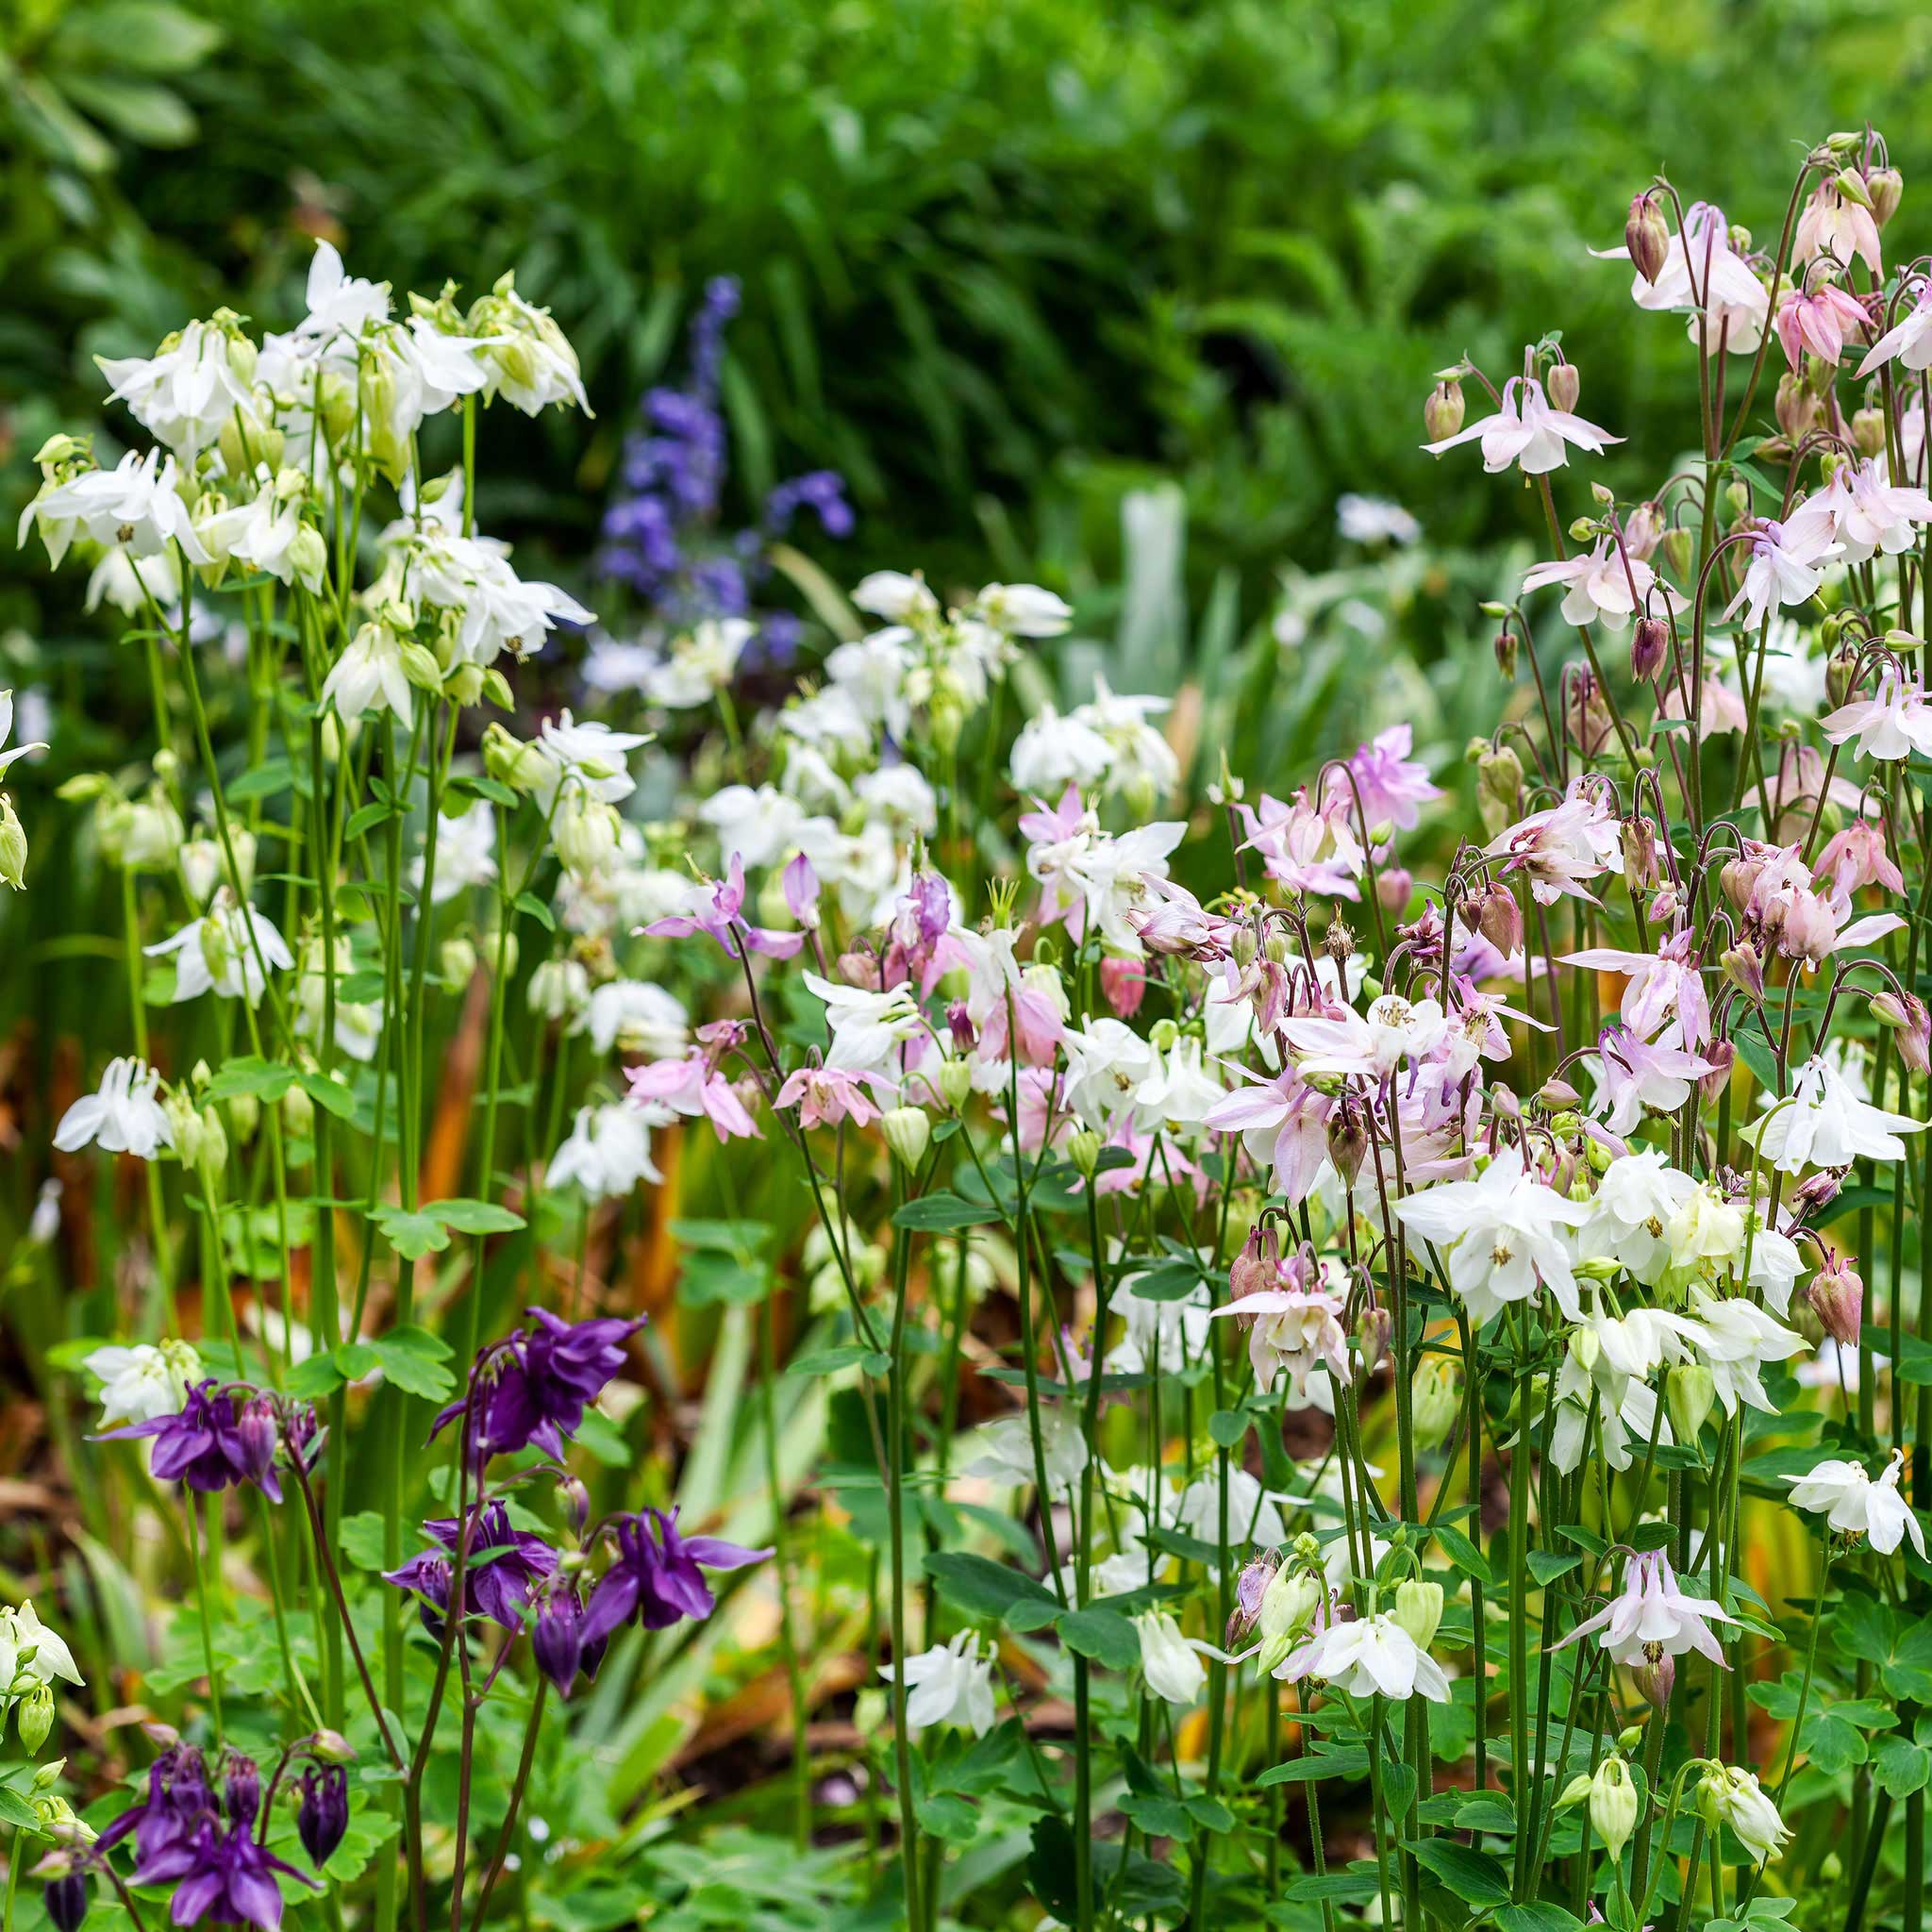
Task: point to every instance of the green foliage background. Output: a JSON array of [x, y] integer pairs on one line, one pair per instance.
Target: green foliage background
[[1002, 257]]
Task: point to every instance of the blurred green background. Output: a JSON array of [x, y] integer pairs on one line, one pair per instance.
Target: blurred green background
[[1001, 262]]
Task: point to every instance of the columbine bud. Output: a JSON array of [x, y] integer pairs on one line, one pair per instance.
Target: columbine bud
[[1394, 888], [1501, 919], [1373, 1329], [1250, 1589], [908, 1134], [1745, 971], [66, 1898], [1868, 432], [955, 1082], [1722, 1057], [1884, 187], [1434, 1398], [1837, 1295], [1649, 642], [1506, 652], [298, 1114], [1840, 672], [323, 1815], [1124, 984], [1639, 852], [458, 963], [241, 1789], [1818, 1190], [1795, 406], [1348, 1138], [585, 832], [1908, 1015], [1643, 531], [1083, 1150], [511, 761], [1613, 1805], [35, 1718], [1564, 386], [559, 988], [1442, 412], [1419, 1610], [1500, 773], [12, 845], [259, 1437], [558, 1641], [1647, 236], [1689, 1392]]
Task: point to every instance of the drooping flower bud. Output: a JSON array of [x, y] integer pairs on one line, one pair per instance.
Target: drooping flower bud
[[35, 1717], [1647, 236], [1643, 529], [1795, 406], [1565, 386], [259, 1436], [1655, 1681], [1500, 773], [1906, 1015], [1613, 1805], [575, 1502], [241, 1790], [1722, 1057], [323, 1816], [1419, 1610], [1348, 1138], [1689, 1392], [1745, 970], [1818, 1190], [1837, 1295], [1868, 432], [1394, 888], [66, 1897], [1506, 652], [1433, 1399], [1251, 1587], [1649, 642], [1255, 1268], [1639, 852], [1442, 412], [557, 1641], [1678, 551], [1124, 984], [12, 845], [1373, 1329], [908, 1134], [1501, 920], [1884, 188]]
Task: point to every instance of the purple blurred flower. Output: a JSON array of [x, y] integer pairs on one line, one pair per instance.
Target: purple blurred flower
[[556, 1642], [224, 1876], [178, 1798], [716, 906], [537, 1385], [323, 1815], [500, 1568], [205, 1445], [660, 1579]]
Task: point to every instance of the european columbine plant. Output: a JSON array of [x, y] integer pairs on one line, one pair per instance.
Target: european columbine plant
[[1350, 1387]]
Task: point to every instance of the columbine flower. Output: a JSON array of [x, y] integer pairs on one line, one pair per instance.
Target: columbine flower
[[223, 1874], [136, 507], [949, 1683], [1786, 567], [632, 1014], [1701, 272], [123, 1116], [1565, 845], [607, 1153], [1909, 341], [1526, 431], [1864, 513], [1601, 584], [1293, 1329], [659, 1580], [1170, 1662], [535, 1388], [699, 664], [1392, 786], [693, 1086], [205, 1444], [1892, 722], [1819, 320], [1861, 1504], [1004, 1451], [866, 1029], [31, 1653], [1727, 1795], [529, 359], [1369, 1657], [1651, 1617], [1734, 1339], [1501, 1232], [827, 1095], [322, 1814], [501, 1566], [268, 532], [145, 1381], [369, 676], [218, 952], [1824, 1124], [1634, 1074], [716, 907]]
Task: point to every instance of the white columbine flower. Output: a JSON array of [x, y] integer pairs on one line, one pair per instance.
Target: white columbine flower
[[1727, 1795], [31, 1653], [1650, 1618], [185, 391], [1375, 1656], [1734, 1340], [1826, 1124], [145, 1381], [121, 1116], [637, 1016], [866, 1029], [699, 665], [1861, 1504], [1502, 1232], [1526, 431], [217, 954], [949, 1683], [608, 1152], [1170, 1662], [1004, 1451], [369, 675], [136, 506]]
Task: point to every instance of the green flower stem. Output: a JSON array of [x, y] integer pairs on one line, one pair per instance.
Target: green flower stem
[[200, 1604], [895, 1498]]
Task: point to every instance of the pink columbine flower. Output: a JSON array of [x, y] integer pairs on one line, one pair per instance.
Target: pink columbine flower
[[1909, 341], [1666, 985], [1863, 513], [802, 890], [1284, 1123], [1835, 226], [716, 906], [1637, 1074], [827, 1095], [1819, 321], [1650, 1618], [1892, 724], [1393, 787], [1704, 273], [1565, 845], [1856, 857], [1601, 584], [1786, 566], [1311, 848], [693, 1085], [1527, 432]]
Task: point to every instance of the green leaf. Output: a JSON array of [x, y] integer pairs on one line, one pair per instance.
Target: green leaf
[[412, 1236], [1473, 1877], [528, 904], [941, 1213], [1229, 1425], [362, 1538], [1350, 1763], [829, 1361], [1547, 1565], [1539, 1915], [1463, 1553], [978, 1587], [1900, 1767], [475, 1217], [314, 1378], [1105, 1636], [414, 1359], [329, 1094], [251, 1077]]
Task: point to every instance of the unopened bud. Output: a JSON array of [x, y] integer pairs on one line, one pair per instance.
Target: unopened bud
[[458, 963], [1745, 971], [1649, 642], [1348, 1140], [1678, 551], [1500, 773], [1500, 920], [1433, 1399], [1613, 1805], [955, 1082], [1837, 1295], [908, 1134], [1689, 1392], [1884, 188], [1722, 1057], [1639, 852], [1647, 236], [1373, 1328], [1419, 1610], [1655, 1681], [1906, 1015], [1442, 412], [1506, 652], [1796, 406], [1251, 1587], [36, 1717], [1868, 432], [1565, 386]]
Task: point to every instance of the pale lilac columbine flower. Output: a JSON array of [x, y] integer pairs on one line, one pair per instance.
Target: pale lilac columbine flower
[[1393, 1030], [1786, 567], [1283, 1122], [1909, 341], [1370, 1656], [1819, 320], [1861, 1504], [693, 1085], [1526, 431], [1601, 584], [1565, 845], [123, 1116], [1835, 226], [827, 1095], [1502, 1233], [1664, 984], [1856, 858], [1177, 923], [1650, 1618], [1393, 787], [1824, 1124], [716, 906], [801, 888], [1294, 1327], [1863, 514], [1892, 724], [1704, 273], [1310, 848], [1635, 1075]]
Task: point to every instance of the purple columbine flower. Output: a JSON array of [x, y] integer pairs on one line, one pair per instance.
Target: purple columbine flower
[[556, 1641], [227, 1876], [658, 1579], [177, 1800], [323, 1815], [500, 1568], [67, 1899], [540, 1383], [205, 1445]]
